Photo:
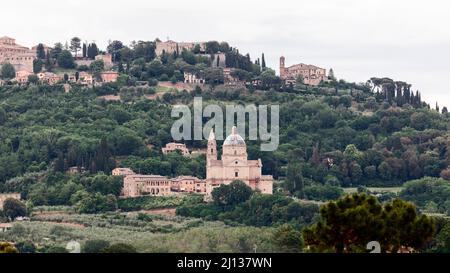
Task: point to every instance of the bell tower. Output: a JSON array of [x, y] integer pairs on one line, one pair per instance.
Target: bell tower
[[211, 153]]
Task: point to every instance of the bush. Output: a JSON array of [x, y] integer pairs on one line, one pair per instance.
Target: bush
[[120, 248], [13, 208], [95, 246], [323, 192]]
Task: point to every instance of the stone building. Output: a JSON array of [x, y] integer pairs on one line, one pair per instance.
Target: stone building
[[122, 172], [4, 196], [229, 79], [171, 46], [85, 78], [234, 165], [173, 147], [22, 76], [49, 78], [188, 184], [109, 76], [107, 60], [312, 75], [193, 78], [139, 185], [19, 56]]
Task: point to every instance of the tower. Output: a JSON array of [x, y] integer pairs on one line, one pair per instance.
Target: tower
[[211, 153], [282, 67]]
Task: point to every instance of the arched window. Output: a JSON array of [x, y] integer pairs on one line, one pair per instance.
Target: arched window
[[236, 174]]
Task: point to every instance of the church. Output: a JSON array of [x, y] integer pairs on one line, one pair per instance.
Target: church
[[234, 165]]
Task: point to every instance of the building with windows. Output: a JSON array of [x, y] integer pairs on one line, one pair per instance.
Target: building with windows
[[141, 185], [234, 165], [173, 147], [19, 56], [310, 74], [193, 78], [170, 47]]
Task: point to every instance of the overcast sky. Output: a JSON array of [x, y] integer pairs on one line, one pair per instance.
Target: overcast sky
[[404, 40]]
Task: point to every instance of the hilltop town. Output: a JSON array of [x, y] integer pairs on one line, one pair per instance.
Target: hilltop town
[[84, 64]]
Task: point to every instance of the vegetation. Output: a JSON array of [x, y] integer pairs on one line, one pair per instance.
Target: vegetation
[[153, 202], [428, 193], [334, 136], [350, 223], [13, 208], [232, 204]]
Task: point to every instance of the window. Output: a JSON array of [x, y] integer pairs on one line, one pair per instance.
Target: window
[[236, 174]]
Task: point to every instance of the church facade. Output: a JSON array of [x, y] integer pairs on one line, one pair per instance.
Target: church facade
[[234, 165]]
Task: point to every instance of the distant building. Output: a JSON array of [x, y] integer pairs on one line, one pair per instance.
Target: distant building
[[22, 76], [139, 185], [193, 78], [172, 46], [85, 78], [234, 165], [19, 56], [4, 196], [188, 184], [311, 75], [229, 79], [107, 60], [109, 76], [173, 147], [75, 170], [122, 172], [49, 78]]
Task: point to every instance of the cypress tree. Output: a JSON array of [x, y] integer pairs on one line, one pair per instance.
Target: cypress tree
[[263, 61]]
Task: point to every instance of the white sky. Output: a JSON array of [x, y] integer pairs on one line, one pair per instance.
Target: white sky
[[406, 40]]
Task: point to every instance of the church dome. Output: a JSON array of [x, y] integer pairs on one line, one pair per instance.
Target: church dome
[[234, 138]]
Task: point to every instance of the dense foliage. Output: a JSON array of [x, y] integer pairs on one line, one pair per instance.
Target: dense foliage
[[232, 204], [350, 223], [430, 194]]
